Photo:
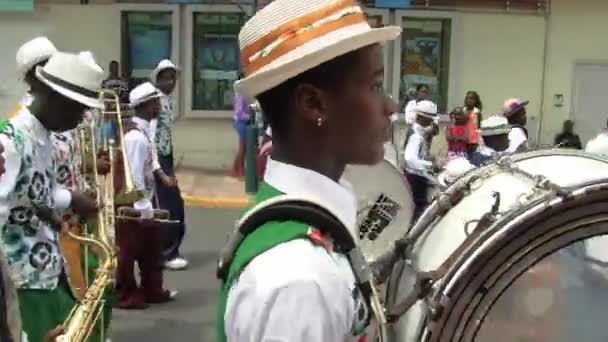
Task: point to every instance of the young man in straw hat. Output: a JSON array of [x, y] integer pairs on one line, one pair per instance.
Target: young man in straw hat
[[515, 111], [33, 53], [168, 194], [316, 67], [141, 241], [495, 133], [29, 193]]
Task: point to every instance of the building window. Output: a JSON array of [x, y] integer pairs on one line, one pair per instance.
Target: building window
[[425, 51], [146, 40], [216, 59]]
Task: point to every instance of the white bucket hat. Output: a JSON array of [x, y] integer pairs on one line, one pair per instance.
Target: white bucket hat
[[427, 109], [289, 37], [162, 65], [74, 77], [142, 94], [32, 53], [454, 169], [494, 125]]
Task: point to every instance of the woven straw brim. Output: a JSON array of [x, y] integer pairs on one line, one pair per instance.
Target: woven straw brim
[[312, 54]]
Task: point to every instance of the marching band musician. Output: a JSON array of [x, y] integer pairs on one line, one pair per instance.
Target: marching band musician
[[29, 193], [140, 240], [168, 194], [30, 55], [70, 174], [495, 133], [321, 92], [418, 166], [515, 112]]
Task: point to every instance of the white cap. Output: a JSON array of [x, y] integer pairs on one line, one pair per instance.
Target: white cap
[[494, 125], [454, 169], [143, 93], [426, 108], [598, 145], [162, 65], [32, 53]]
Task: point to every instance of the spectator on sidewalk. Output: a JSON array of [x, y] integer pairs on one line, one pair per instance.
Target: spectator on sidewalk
[[168, 197], [241, 120], [567, 138]]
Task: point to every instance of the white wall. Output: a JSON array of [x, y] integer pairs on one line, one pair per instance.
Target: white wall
[[501, 56], [69, 27], [577, 33]]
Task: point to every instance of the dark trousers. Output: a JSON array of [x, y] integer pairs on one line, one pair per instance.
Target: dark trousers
[[170, 199], [142, 244], [420, 187]]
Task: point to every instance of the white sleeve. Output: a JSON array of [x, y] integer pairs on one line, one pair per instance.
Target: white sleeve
[[297, 312], [412, 154], [12, 164], [410, 113], [516, 138], [155, 164], [136, 146]]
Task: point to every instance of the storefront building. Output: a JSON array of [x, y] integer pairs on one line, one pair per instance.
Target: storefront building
[[533, 49]]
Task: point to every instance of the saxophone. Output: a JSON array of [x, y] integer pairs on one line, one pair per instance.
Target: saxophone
[[81, 321]]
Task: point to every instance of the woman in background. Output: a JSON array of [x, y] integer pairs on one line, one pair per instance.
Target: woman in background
[[241, 120]]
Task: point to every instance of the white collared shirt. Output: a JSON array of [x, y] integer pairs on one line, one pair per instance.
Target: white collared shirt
[[30, 244], [140, 153], [517, 139], [297, 291], [416, 152]]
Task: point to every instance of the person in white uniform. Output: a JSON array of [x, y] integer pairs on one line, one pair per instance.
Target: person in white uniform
[[33, 53], [515, 112], [320, 89]]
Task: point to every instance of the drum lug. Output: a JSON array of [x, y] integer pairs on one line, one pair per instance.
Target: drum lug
[[436, 307]]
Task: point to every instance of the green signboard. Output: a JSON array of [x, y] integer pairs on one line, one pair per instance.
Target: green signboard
[[16, 5]]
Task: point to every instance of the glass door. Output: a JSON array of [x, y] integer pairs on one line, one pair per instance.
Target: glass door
[[423, 57], [213, 59]]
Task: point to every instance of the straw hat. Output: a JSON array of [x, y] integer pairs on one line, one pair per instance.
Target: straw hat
[[513, 105], [142, 94], [33, 52], [494, 125], [289, 37], [74, 77]]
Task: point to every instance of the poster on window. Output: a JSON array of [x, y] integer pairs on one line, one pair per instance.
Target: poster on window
[[421, 58], [149, 41], [216, 60]]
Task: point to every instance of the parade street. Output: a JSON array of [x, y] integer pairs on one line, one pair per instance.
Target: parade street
[[192, 316]]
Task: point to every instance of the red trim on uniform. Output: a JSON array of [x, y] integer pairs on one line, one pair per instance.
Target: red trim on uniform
[[317, 237]]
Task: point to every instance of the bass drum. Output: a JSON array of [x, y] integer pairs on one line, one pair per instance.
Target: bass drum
[[384, 203], [535, 268]]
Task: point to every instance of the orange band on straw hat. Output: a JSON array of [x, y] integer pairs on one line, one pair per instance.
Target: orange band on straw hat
[[292, 38]]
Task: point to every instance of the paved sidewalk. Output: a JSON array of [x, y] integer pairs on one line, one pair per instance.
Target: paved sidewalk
[[211, 189]]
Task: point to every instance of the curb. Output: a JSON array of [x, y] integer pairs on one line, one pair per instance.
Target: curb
[[215, 202]]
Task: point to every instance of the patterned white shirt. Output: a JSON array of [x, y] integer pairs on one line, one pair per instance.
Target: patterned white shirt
[[30, 244]]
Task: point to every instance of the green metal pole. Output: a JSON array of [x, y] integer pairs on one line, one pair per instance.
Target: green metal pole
[[251, 152]]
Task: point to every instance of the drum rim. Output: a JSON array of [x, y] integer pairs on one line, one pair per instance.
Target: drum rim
[[461, 291]]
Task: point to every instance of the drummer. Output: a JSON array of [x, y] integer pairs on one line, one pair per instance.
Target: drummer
[[495, 133], [321, 91], [418, 166]]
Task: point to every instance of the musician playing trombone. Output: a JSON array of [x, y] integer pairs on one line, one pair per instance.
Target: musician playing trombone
[[28, 191], [140, 239]]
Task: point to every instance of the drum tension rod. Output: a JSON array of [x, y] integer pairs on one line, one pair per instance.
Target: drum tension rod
[[423, 286]]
